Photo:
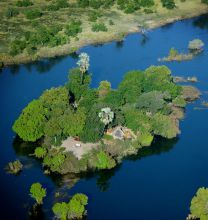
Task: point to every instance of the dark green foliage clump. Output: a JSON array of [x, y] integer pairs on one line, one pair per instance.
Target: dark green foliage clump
[[130, 6], [11, 12], [204, 1], [169, 4], [73, 28], [33, 13], [24, 3], [17, 47]]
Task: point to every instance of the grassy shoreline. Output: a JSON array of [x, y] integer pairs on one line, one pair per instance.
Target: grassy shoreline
[[124, 24]]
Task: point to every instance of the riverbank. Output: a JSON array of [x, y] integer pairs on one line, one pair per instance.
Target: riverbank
[[124, 24]]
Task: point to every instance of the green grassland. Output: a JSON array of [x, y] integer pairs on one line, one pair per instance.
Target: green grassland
[[71, 26]]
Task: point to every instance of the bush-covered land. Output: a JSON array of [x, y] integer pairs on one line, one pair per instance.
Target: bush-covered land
[[145, 104], [195, 47], [32, 29]]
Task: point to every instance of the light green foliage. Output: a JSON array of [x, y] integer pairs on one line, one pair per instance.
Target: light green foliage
[[104, 88], [145, 139], [173, 53], [54, 162], [77, 206], [165, 126], [179, 102], [159, 78], [104, 161], [40, 152], [131, 86], [163, 70], [152, 101], [137, 120], [75, 209], [37, 192], [30, 125], [199, 202], [61, 210]]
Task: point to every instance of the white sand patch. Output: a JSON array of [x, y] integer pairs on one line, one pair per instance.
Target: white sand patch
[[77, 147]]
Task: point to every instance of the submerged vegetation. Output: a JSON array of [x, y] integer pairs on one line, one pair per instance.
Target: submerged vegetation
[[107, 124], [14, 167], [28, 33]]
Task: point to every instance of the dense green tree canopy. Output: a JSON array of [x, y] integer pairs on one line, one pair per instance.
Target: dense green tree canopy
[[30, 125]]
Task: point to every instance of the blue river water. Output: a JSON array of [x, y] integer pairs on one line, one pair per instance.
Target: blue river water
[[160, 181]]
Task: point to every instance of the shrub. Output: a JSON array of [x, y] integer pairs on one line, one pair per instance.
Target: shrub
[[33, 13], [37, 192], [99, 27], [11, 12], [77, 206], [145, 139], [74, 209], [169, 4], [58, 4], [104, 88], [165, 126], [179, 102], [73, 28], [199, 204], [54, 162], [24, 3], [17, 47], [40, 152], [104, 161]]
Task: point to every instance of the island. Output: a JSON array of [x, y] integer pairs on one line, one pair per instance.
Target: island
[[31, 30], [79, 129]]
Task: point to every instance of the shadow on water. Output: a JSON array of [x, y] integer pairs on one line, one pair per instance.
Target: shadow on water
[[201, 22], [65, 182], [41, 66], [36, 213], [159, 146]]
